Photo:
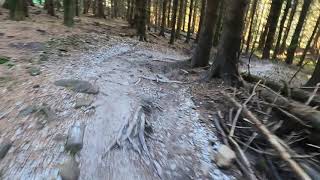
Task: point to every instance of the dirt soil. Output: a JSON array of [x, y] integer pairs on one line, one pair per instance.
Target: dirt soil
[[151, 79]]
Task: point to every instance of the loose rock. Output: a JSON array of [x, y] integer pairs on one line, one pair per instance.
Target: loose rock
[[69, 170], [78, 86], [34, 71], [75, 138], [4, 148], [224, 157], [83, 102]]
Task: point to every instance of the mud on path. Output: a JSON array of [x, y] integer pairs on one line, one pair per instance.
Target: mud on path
[[138, 82]]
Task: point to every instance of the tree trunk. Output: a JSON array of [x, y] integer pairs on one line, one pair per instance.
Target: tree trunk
[[282, 22], [100, 9], [50, 7], [202, 16], [274, 18], [252, 14], [18, 10], [156, 15], [149, 14], [69, 13], [173, 21], [306, 49], [315, 78], [288, 28], [180, 18], [195, 13], [226, 61], [141, 19], [132, 13], [163, 21], [295, 38], [169, 13], [77, 5], [189, 21], [202, 54], [218, 26], [184, 16], [86, 6]]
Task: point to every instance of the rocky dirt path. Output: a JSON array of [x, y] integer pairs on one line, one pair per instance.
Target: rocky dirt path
[[142, 124]]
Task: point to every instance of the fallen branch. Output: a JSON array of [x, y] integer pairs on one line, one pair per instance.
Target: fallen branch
[[273, 140]]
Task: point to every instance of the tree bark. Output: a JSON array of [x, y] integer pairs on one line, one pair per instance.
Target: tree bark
[[163, 21], [202, 54], [274, 18], [226, 61], [169, 13], [295, 38], [219, 23], [282, 22], [189, 21], [315, 78], [50, 7], [180, 18], [202, 16], [69, 13], [252, 14], [141, 19], [288, 28], [306, 49], [195, 13], [18, 10], [173, 21], [100, 9], [86, 6]]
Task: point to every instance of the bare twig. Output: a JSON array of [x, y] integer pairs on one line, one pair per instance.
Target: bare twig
[[313, 94], [273, 140]]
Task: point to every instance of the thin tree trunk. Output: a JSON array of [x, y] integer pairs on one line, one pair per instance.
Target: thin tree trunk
[[274, 18], [141, 19], [149, 15], [202, 54], [163, 23], [169, 13], [315, 78], [50, 7], [184, 16], [288, 28], [173, 21], [18, 10], [295, 38], [156, 15], [77, 7], [252, 15], [69, 13], [226, 62], [306, 49], [218, 26], [180, 18], [202, 16], [100, 9], [189, 21], [86, 6], [195, 13], [282, 22]]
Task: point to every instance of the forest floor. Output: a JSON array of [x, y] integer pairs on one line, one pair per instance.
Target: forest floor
[[140, 84]]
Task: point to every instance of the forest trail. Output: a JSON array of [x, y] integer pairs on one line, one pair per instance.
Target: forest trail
[[131, 76]]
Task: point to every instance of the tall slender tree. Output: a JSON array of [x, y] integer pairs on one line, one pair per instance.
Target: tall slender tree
[[141, 6], [295, 38], [202, 54], [69, 12], [226, 62], [315, 78], [50, 7], [180, 18], [289, 25], [100, 9], [252, 17], [202, 16], [274, 18], [169, 13], [173, 21], [218, 26], [195, 14], [163, 21], [282, 22], [189, 21], [18, 10], [306, 49]]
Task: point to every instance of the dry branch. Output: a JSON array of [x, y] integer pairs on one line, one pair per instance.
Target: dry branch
[[273, 140]]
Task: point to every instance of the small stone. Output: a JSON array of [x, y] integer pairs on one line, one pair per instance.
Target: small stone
[[69, 170], [36, 86], [4, 148], [83, 102], [34, 71], [75, 138], [78, 86], [224, 157]]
